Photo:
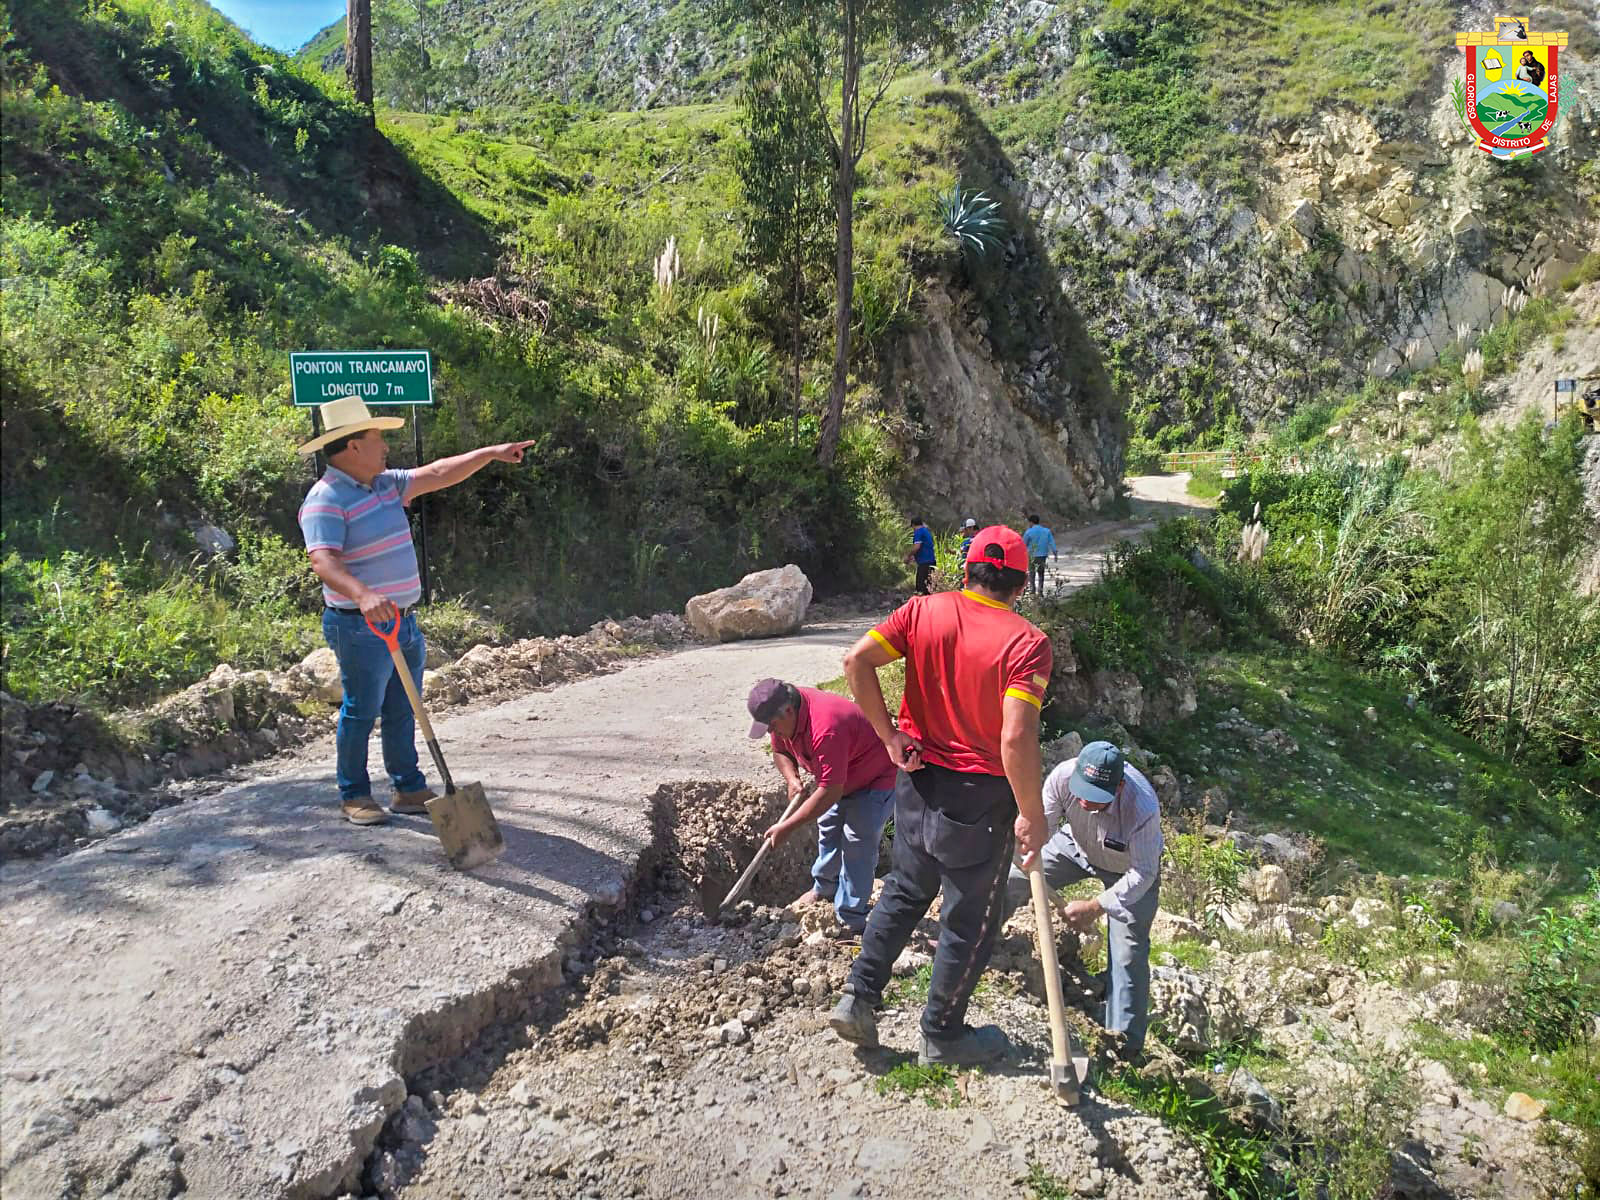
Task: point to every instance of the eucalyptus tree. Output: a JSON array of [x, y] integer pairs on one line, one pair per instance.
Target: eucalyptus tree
[[784, 164], [863, 46]]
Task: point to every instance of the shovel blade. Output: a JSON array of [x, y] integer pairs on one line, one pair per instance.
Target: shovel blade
[[466, 827]]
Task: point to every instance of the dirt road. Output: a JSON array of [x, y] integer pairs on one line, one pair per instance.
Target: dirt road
[[228, 999]]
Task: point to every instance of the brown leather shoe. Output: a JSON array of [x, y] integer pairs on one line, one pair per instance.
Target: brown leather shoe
[[362, 811], [411, 804]]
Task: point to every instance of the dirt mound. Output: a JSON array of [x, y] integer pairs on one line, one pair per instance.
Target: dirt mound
[[714, 831]]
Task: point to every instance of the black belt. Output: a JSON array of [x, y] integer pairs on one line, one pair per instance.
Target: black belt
[[356, 612]]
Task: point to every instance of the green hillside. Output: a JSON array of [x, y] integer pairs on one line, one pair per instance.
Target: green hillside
[[182, 209]]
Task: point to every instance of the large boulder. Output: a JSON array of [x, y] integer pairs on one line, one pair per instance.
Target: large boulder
[[762, 604]]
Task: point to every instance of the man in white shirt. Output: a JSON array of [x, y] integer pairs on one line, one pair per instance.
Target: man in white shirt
[[1106, 822]]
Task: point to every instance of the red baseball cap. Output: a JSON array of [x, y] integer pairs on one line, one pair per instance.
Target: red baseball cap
[[1013, 553]]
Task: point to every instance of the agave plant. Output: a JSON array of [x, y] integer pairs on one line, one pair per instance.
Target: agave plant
[[972, 219]]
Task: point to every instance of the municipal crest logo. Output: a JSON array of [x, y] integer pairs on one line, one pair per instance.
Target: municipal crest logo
[[1510, 89]]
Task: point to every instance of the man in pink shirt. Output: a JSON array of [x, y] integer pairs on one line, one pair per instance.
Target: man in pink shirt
[[832, 740]]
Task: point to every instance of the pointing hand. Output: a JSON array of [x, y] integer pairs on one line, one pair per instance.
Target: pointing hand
[[509, 451]]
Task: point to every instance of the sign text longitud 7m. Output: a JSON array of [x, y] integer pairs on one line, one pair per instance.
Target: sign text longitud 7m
[[377, 376]]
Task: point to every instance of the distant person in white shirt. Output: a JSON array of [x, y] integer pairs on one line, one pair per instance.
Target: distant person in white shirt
[[1106, 822]]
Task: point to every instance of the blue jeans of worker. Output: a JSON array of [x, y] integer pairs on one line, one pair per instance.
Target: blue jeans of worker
[[373, 690], [1127, 1009], [848, 835]]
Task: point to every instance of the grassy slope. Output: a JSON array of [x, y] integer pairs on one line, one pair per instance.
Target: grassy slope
[[209, 185], [1402, 793], [209, 188]]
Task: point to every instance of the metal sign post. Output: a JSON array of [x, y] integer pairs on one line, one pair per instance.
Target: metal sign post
[[1562, 385], [379, 377], [422, 519]]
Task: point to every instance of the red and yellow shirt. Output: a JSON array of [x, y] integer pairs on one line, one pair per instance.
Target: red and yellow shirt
[[965, 653]]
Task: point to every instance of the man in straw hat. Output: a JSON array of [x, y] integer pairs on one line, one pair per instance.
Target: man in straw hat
[[355, 526]]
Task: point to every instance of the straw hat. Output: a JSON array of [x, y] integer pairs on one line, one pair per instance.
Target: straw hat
[[345, 416]]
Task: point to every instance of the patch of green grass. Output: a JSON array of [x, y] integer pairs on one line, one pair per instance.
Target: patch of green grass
[[892, 679], [1041, 1185], [1587, 271], [1403, 793], [1568, 1078], [1205, 482], [1186, 953], [910, 991], [936, 1084], [1235, 1158]]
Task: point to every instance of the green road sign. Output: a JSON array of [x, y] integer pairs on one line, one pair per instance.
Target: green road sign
[[377, 376]]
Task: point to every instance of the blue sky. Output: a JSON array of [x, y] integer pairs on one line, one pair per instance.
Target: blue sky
[[282, 24]]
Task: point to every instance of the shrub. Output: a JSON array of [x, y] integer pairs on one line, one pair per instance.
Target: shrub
[[1199, 876], [1554, 987]]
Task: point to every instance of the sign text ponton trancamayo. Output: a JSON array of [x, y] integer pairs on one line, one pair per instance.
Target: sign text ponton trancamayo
[[377, 376]]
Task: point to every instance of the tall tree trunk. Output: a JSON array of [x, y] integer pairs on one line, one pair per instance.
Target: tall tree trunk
[[358, 51], [844, 257], [798, 268]]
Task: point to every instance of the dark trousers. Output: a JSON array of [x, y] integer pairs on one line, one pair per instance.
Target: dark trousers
[[952, 830], [924, 578], [1036, 574]]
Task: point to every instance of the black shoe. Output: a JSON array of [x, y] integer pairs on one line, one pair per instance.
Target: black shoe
[[852, 1019], [987, 1043]]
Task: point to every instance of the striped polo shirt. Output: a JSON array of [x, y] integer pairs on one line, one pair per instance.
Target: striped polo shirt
[[368, 528]]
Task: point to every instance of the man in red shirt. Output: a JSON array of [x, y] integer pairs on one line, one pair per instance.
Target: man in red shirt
[[829, 737], [967, 747]]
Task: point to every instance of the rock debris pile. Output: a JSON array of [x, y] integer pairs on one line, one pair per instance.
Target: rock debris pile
[[68, 776], [690, 1057]]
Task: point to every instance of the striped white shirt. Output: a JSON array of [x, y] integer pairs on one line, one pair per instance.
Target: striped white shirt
[[368, 528], [1133, 821]]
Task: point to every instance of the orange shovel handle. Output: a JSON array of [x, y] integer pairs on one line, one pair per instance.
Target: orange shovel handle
[[390, 639]]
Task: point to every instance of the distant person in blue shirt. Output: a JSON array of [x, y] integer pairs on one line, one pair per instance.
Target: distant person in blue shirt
[[922, 554], [1040, 542], [969, 530]]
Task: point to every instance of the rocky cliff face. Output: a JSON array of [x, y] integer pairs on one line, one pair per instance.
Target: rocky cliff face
[[1345, 241], [977, 440], [1359, 245]]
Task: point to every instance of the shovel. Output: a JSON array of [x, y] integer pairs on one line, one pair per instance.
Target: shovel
[[755, 864], [461, 817], [1067, 1070]]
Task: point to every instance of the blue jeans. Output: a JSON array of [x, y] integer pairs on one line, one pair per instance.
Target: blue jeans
[[847, 852], [372, 689], [1127, 1009]]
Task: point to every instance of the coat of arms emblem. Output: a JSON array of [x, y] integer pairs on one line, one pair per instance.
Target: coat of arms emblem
[[1511, 87]]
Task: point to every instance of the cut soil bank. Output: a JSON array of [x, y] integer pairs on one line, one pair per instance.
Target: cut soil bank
[[682, 1057]]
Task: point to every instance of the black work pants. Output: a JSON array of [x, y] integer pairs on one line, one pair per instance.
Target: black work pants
[[924, 579], [953, 830]]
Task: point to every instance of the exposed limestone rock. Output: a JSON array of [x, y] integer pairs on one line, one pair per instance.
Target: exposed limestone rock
[[1197, 1012], [1522, 1107], [1041, 447], [762, 604], [320, 669], [1269, 884]]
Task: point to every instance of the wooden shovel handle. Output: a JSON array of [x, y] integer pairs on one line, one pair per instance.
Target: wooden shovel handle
[[392, 640], [1060, 1047], [755, 863]]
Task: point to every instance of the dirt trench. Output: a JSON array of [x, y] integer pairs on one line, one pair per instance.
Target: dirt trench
[[684, 1057]]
